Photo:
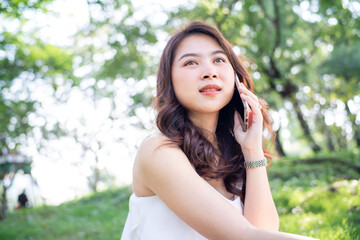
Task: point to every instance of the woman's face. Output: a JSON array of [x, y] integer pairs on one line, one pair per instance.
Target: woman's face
[[202, 75]]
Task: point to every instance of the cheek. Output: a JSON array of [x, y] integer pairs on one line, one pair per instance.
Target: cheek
[[182, 81], [229, 82], [176, 82], [179, 85], [230, 87]]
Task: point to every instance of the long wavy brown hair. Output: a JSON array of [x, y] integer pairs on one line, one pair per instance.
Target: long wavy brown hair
[[224, 161]]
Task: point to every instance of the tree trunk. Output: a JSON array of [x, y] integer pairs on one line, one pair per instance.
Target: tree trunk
[[278, 145], [3, 209], [356, 128], [329, 139], [97, 179], [93, 180], [314, 146]]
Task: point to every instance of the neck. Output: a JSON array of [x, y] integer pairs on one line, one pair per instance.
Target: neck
[[207, 122]]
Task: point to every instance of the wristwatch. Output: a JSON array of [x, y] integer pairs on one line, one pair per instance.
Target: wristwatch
[[255, 164]]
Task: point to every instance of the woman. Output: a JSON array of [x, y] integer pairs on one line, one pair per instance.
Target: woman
[[197, 179]]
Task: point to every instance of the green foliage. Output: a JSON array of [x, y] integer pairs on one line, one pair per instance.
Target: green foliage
[[25, 57], [127, 42], [16, 8], [13, 120], [32, 56], [344, 61]]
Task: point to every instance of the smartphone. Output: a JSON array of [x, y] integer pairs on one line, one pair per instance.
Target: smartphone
[[241, 106]]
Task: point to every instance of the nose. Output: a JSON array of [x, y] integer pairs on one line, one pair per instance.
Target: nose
[[210, 74]]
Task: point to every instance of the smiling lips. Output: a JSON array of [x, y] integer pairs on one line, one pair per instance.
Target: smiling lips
[[211, 89]]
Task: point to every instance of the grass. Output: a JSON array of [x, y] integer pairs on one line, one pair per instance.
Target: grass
[[99, 216], [321, 200]]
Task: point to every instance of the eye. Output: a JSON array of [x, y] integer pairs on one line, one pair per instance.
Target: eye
[[218, 60], [191, 62]]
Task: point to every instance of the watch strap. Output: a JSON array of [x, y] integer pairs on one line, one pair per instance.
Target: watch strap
[[255, 164]]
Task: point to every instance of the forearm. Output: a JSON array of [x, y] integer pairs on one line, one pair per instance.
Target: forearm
[[259, 207]]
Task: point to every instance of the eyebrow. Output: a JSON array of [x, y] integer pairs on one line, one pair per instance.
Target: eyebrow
[[196, 55]]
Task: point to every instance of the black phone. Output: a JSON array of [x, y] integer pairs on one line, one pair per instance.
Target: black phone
[[241, 106]]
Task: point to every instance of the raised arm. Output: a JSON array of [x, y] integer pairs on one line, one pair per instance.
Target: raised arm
[[166, 172], [259, 207]]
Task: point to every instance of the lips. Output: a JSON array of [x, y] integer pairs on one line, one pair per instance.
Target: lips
[[210, 88]]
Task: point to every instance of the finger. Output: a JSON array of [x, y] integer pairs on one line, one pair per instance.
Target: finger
[[251, 114], [253, 104], [237, 130], [243, 89]]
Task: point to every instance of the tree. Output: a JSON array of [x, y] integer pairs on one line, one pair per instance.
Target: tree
[[24, 58], [343, 66], [115, 46]]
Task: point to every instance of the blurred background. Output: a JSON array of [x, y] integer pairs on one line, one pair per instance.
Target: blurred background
[[76, 82]]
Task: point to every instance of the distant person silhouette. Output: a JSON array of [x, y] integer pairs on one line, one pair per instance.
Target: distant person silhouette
[[23, 200]]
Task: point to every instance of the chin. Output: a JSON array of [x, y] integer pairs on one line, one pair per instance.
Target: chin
[[208, 109]]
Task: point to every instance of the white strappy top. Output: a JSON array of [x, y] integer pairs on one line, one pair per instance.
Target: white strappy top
[[150, 219]]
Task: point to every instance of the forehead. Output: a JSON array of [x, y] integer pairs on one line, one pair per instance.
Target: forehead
[[197, 43]]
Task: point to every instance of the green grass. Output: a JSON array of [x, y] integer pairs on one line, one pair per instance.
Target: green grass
[[99, 216], [318, 199]]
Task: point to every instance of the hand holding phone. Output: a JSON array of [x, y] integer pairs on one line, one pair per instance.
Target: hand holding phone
[[241, 106]]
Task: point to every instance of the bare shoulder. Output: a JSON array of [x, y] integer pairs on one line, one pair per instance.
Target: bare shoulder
[[153, 142], [153, 146], [155, 153]]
